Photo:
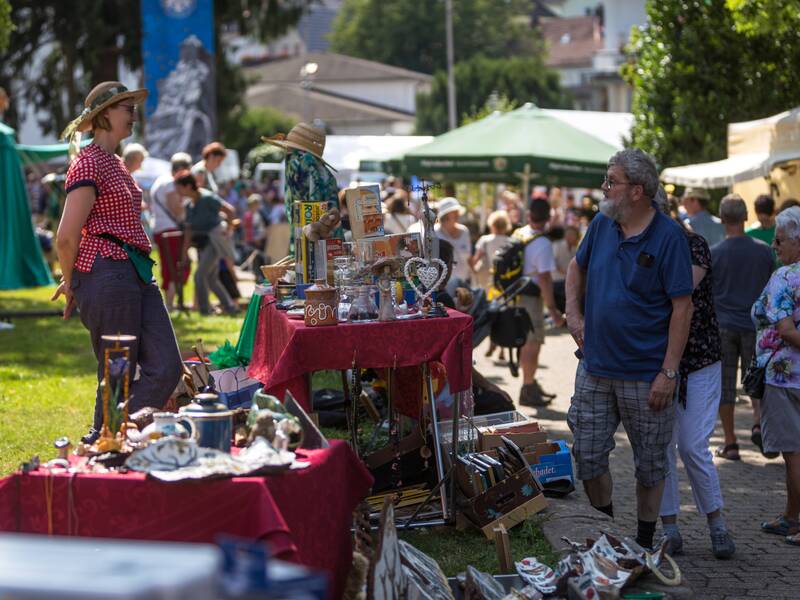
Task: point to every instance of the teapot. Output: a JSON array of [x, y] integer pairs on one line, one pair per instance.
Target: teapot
[[170, 424], [212, 420]]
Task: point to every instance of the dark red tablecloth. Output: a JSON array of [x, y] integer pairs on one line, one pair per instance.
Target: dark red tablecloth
[[304, 516], [285, 350]]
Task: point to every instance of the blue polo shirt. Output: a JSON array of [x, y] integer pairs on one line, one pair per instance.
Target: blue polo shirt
[[629, 287]]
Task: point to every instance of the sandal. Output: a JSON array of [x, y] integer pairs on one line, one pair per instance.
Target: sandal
[[728, 452], [781, 526], [793, 540]]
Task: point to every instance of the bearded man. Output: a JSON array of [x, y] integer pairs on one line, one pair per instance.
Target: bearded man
[[628, 308]]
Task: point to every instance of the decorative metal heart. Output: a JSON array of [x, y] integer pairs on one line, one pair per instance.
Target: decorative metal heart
[[431, 274]]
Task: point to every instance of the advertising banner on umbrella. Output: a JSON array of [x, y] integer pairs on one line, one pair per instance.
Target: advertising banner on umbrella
[[527, 143], [178, 55]]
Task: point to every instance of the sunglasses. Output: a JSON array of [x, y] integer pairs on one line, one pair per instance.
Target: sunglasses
[[128, 107]]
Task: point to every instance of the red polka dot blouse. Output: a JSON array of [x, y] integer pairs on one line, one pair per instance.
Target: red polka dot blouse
[[117, 208]]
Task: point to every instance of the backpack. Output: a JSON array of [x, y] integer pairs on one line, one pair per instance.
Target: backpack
[[509, 261]]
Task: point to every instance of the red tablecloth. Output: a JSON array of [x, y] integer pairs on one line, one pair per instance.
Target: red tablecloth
[[305, 516], [285, 350]]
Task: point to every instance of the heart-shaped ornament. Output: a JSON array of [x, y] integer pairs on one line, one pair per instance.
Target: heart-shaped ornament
[[431, 274]]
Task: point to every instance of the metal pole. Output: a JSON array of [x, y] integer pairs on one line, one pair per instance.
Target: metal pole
[[451, 80], [437, 447]]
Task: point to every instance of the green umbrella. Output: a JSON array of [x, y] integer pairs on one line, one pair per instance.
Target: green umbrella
[[527, 143], [21, 261]]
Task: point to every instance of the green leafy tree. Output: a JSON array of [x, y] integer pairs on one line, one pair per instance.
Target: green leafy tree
[[518, 80], [6, 26], [87, 40], [251, 124], [411, 33], [764, 16], [694, 70]]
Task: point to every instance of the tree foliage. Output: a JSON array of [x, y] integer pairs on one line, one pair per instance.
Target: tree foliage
[[251, 124], [5, 24], [411, 33], [760, 17], [694, 69], [518, 80], [76, 44]]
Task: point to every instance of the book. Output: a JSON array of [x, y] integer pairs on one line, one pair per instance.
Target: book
[[324, 253], [396, 245], [364, 207], [307, 213]]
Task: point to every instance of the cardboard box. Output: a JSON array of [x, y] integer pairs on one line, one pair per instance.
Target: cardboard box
[[523, 434], [508, 503], [550, 462]]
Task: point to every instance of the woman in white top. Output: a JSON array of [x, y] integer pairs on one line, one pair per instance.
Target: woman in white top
[[485, 250], [488, 245], [448, 211], [398, 217]]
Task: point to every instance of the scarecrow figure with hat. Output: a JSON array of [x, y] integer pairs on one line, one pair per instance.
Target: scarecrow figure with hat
[[309, 179]]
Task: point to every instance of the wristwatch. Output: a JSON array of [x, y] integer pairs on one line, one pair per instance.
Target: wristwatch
[[669, 373]]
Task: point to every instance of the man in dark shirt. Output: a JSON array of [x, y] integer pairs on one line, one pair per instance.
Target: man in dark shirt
[[633, 272], [742, 265]]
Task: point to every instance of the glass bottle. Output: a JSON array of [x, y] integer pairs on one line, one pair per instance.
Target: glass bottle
[[363, 307]]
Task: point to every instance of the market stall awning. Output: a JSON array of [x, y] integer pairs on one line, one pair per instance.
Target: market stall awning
[[503, 146], [725, 173]]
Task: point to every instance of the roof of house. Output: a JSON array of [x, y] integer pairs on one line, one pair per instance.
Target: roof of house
[[292, 99], [332, 67], [572, 41]]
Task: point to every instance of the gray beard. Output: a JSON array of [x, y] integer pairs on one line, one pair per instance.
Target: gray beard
[[611, 209]]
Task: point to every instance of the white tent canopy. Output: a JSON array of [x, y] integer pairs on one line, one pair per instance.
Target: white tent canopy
[[754, 149]]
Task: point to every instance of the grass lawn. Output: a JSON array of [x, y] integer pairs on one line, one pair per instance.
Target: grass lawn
[[47, 373], [47, 387]]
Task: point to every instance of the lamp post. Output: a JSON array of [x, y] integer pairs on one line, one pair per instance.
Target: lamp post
[[451, 79], [307, 72]]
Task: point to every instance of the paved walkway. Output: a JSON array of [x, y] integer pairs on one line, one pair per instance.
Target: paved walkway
[[753, 490]]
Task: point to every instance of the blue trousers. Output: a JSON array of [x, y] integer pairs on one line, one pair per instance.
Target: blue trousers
[[113, 300]]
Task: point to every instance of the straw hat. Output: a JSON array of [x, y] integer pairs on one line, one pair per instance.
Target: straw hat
[[301, 137], [101, 97]]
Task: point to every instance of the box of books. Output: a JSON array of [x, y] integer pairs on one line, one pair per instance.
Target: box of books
[[364, 208]]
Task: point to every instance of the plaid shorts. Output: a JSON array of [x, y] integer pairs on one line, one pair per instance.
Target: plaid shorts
[[737, 350], [598, 406]]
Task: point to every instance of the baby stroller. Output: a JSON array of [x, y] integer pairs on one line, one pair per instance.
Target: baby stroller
[[508, 326]]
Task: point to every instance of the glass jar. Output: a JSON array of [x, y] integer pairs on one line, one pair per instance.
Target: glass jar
[[363, 307]]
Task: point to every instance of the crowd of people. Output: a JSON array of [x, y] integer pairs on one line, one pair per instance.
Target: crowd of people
[[667, 302]]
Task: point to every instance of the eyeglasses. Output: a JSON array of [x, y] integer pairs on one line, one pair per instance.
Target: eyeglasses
[[129, 107], [610, 183], [778, 241]]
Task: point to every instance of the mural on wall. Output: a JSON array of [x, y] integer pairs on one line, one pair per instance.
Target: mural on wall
[[178, 51]]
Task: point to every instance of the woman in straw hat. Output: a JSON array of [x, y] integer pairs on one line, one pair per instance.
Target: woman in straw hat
[[308, 176], [103, 252]]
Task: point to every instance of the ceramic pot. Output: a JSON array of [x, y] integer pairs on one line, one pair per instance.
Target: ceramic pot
[[212, 420], [321, 305], [170, 424]]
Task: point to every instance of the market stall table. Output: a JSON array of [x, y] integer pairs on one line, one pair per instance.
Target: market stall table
[[304, 515], [286, 351]]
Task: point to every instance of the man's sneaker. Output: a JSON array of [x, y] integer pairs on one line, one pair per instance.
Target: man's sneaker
[[674, 545], [530, 395], [722, 543]]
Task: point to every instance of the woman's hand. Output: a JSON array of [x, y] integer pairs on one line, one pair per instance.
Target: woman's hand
[[63, 288]]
